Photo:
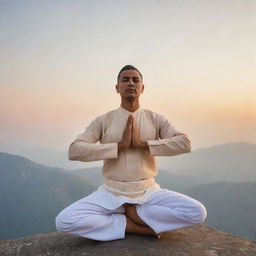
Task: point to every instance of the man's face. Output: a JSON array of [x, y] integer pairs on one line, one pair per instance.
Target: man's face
[[130, 84]]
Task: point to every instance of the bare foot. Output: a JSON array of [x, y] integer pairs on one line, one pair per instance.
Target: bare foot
[[132, 227], [158, 236], [131, 213]]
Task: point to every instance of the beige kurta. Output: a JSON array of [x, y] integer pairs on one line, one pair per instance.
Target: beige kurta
[[129, 178], [128, 165]]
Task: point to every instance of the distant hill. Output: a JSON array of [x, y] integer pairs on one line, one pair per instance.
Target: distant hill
[[53, 158], [31, 195], [231, 206], [232, 162]]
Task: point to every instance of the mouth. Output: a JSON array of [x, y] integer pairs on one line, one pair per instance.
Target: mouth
[[131, 90]]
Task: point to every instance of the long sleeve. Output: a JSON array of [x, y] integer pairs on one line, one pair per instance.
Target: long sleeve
[[168, 144], [86, 148]]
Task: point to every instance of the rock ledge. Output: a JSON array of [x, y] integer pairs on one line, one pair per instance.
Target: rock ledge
[[199, 240]]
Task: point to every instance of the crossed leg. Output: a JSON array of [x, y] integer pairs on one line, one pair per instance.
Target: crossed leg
[[134, 224], [167, 210], [92, 221], [164, 211]]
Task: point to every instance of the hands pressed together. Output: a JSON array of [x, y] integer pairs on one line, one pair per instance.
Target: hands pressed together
[[131, 136]]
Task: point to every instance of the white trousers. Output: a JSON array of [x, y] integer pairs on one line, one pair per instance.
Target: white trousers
[[100, 216]]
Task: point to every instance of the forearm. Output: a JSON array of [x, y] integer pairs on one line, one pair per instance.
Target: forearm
[[170, 146], [87, 152]]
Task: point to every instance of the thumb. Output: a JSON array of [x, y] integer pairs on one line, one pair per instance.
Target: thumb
[[128, 122], [130, 119]]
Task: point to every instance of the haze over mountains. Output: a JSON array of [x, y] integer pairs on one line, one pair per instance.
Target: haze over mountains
[[234, 162], [53, 158], [33, 194], [214, 162], [231, 206]]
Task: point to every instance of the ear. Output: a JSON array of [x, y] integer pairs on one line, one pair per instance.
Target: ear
[[142, 89], [117, 88]]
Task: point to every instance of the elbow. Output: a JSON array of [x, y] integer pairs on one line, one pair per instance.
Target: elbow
[[188, 147], [187, 144], [71, 158], [79, 152], [71, 153]]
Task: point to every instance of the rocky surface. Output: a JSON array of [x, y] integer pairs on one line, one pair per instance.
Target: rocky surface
[[199, 240]]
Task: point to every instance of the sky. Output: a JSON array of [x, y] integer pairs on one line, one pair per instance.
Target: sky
[[59, 61]]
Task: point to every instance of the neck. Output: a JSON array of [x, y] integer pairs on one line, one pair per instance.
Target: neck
[[130, 106]]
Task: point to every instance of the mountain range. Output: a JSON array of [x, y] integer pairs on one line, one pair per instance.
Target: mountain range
[[234, 162], [31, 194]]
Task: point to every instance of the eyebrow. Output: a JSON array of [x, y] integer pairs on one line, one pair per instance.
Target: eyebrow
[[125, 77]]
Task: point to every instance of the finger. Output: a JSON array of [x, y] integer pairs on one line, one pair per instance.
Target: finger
[[128, 128], [127, 123], [134, 124], [128, 120]]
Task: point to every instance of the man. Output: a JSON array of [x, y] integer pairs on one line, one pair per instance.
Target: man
[[129, 201]]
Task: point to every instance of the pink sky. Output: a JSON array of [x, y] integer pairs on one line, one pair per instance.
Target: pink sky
[[59, 61]]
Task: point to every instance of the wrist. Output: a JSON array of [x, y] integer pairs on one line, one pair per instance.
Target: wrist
[[121, 146], [144, 145]]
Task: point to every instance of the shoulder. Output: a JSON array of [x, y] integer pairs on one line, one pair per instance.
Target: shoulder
[[154, 115], [106, 116]]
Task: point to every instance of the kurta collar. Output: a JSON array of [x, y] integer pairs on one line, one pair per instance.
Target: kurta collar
[[128, 112]]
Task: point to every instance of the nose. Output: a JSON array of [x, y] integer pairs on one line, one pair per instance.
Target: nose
[[131, 83]]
